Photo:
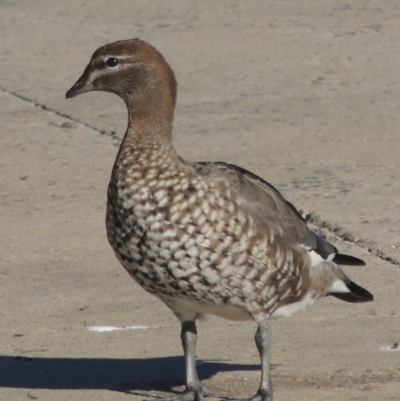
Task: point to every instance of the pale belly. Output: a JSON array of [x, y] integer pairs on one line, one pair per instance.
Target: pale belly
[[186, 309]]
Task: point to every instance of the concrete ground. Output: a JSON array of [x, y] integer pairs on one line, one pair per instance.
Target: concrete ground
[[304, 93]]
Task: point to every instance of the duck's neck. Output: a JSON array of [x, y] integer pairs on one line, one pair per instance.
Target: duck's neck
[[150, 122]]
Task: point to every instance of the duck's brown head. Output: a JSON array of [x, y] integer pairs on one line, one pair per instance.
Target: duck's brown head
[[133, 70]]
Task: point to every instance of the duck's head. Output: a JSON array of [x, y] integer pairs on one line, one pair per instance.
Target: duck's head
[[133, 70]]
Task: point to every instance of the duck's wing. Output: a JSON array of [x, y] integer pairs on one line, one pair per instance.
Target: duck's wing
[[270, 211]]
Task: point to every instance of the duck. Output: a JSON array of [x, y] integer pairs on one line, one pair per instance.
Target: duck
[[204, 237]]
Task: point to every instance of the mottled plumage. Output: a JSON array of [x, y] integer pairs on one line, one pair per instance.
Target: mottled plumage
[[203, 237]]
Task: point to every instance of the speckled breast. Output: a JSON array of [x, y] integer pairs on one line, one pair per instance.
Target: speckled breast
[[179, 235]]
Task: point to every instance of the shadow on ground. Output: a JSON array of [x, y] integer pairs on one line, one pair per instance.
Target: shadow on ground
[[110, 374]]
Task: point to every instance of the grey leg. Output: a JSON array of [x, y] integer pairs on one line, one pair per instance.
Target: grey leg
[[189, 337], [263, 342], [195, 391]]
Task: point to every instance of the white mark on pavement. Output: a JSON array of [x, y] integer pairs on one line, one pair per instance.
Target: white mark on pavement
[[392, 348], [102, 329]]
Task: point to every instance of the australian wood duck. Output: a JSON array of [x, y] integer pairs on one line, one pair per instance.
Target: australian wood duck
[[203, 237]]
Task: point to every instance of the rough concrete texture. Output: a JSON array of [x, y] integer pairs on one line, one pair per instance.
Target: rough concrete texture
[[303, 93]]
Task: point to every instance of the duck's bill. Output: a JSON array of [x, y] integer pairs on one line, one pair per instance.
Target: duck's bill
[[82, 85]]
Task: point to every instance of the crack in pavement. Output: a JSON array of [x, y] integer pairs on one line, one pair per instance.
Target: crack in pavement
[[60, 114], [340, 233]]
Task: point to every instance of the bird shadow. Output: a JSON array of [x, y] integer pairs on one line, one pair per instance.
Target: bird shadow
[[125, 375]]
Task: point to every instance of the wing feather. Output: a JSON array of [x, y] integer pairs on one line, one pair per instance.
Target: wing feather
[[271, 211]]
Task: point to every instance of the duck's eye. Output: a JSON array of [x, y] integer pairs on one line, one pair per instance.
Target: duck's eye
[[112, 62]]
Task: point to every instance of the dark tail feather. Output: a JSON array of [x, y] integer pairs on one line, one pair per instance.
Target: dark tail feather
[[356, 294], [347, 260]]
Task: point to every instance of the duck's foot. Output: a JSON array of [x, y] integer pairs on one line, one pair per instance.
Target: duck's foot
[[262, 395], [197, 394]]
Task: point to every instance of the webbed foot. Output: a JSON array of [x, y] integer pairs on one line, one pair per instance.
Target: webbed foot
[[196, 394], [262, 395]]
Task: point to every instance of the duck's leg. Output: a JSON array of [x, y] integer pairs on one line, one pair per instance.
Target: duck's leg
[[195, 391], [189, 337], [263, 342]]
